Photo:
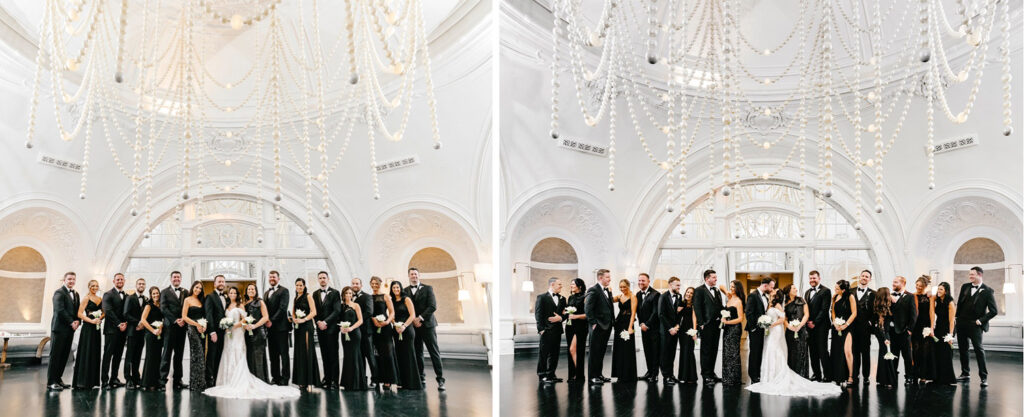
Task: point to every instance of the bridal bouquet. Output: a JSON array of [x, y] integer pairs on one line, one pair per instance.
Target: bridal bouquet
[[249, 320], [202, 323], [345, 325], [794, 323], [380, 318], [624, 334], [764, 322], [398, 328], [157, 325], [839, 321], [299, 314], [927, 331], [570, 310], [691, 332], [226, 323], [948, 338], [726, 314]]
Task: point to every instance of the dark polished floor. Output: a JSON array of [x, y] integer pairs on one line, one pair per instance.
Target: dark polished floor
[[23, 393], [521, 395]]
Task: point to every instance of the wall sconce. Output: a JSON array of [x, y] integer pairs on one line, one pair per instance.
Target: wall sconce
[[527, 286], [463, 295], [482, 273], [1012, 271]]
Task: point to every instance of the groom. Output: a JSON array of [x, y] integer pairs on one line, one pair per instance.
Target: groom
[[757, 305], [904, 315], [976, 305], [598, 307], [215, 305], [278, 329], [707, 305], [425, 304], [818, 298]]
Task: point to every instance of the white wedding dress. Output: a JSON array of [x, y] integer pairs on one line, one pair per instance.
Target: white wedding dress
[[776, 376], [233, 377]]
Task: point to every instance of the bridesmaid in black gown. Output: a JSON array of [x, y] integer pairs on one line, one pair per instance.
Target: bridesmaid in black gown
[[405, 334], [383, 341], [687, 343], [576, 331], [154, 343], [921, 346], [841, 351], [87, 360], [796, 346], [192, 311], [353, 372], [943, 310], [256, 343], [881, 316], [732, 329], [624, 350], [305, 370]]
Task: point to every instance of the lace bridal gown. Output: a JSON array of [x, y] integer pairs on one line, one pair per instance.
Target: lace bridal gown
[[776, 376], [233, 377]]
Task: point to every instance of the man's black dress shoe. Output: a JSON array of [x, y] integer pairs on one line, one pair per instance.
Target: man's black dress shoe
[[671, 381]]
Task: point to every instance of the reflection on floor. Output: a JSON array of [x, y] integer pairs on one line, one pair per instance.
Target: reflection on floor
[[521, 392], [23, 393]]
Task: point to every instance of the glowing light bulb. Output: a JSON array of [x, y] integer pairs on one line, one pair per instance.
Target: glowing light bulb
[[227, 162], [236, 22], [767, 145]]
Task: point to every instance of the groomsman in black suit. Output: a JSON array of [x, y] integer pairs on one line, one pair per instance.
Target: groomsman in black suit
[[976, 305], [278, 329], [328, 314], [62, 330], [174, 331], [756, 306], [365, 301], [668, 326], [597, 305], [215, 305], [425, 303], [861, 334], [647, 316], [114, 334], [708, 303], [818, 299], [904, 315], [136, 334], [548, 312]]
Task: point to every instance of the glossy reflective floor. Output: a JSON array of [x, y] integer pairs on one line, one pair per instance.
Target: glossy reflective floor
[[522, 395], [23, 393]]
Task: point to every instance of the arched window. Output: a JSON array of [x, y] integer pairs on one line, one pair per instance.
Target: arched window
[[552, 258], [23, 280], [437, 269], [987, 254]]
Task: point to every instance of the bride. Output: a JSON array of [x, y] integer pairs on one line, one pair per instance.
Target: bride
[[233, 377], [776, 376]]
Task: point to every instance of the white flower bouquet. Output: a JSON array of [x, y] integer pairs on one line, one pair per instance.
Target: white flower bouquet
[[927, 331], [299, 314], [226, 323], [96, 315], [624, 334], [202, 323], [889, 356], [157, 325], [570, 310], [398, 329], [765, 322], [380, 318], [726, 315], [691, 332], [839, 321], [948, 338], [345, 325], [249, 320], [794, 323]]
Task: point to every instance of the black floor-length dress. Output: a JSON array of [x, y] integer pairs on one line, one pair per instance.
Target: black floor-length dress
[[623, 350], [798, 353], [837, 353], [687, 357], [732, 372], [197, 351], [305, 368], [87, 360], [383, 344], [256, 343], [577, 330], [154, 347], [921, 346], [942, 351], [405, 349], [353, 367]]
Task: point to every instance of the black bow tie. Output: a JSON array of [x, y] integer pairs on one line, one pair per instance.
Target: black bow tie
[[975, 286]]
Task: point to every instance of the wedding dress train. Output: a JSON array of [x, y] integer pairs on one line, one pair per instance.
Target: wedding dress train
[[233, 377], [776, 376]]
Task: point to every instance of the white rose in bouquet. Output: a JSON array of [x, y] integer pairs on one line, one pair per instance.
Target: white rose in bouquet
[[889, 356], [927, 331], [249, 320], [345, 325], [726, 315], [765, 322], [299, 314], [380, 318], [96, 315], [226, 323], [691, 332], [157, 325], [795, 323], [839, 321], [399, 329], [202, 323], [948, 338], [570, 310], [624, 334]]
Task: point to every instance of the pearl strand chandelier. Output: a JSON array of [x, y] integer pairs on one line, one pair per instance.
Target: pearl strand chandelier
[[301, 98], [698, 75]]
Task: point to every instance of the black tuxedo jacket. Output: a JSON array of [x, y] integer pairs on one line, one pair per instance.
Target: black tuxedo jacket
[[214, 313], [647, 308], [707, 306], [818, 306], [113, 309], [598, 307], [754, 310], [328, 310], [365, 301], [424, 302], [981, 306], [170, 305], [65, 310], [277, 309], [904, 314], [546, 307], [865, 305], [133, 313], [667, 314]]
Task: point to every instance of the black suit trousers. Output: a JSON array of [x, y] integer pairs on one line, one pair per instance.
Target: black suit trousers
[[652, 349], [428, 336], [817, 344], [277, 345], [113, 350], [547, 362], [971, 334], [710, 336], [598, 346], [174, 345], [756, 339], [133, 357], [60, 351], [667, 352]]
